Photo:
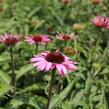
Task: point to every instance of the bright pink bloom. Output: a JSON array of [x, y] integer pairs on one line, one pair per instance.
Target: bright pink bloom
[[10, 39], [53, 60], [66, 37], [38, 39], [101, 21]]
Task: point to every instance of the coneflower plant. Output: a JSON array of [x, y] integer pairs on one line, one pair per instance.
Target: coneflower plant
[[44, 39], [10, 40], [53, 61]]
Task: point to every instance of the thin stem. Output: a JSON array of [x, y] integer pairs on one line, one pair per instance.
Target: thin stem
[[37, 45], [46, 46], [50, 89], [65, 43], [13, 79]]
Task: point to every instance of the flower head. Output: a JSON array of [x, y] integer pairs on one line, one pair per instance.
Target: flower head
[[96, 1], [10, 39], [65, 1], [35, 21], [53, 60], [66, 37], [101, 21], [70, 51], [38, 39], [1, 1], [78, 26]]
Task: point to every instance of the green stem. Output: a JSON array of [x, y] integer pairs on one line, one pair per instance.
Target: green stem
[[65, 43], [46, 46], [13, 79], [50, 89], [37, 45]]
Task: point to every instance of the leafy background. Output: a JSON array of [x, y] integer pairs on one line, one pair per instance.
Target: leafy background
[[87, 88]]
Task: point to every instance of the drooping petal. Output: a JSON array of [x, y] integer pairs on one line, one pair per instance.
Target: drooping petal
[[33, 59], [61, 69], [42, 67], [48, 66], [40, 63], [70, 66]]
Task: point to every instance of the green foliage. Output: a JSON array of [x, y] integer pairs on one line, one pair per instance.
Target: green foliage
[[4, 88], [89, 89], [58, 98]]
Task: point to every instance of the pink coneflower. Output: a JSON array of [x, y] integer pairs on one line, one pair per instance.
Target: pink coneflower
[[53, 60], [10, 39], [1, 9], [65, 1], [66, 37], [96, 1], [101, 21], [38, 39], [1, 1]]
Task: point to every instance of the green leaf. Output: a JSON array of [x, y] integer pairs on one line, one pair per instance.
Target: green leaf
[[38, 102], [39, 24], [66, 105], [28, 100], [32, 88], [33, 12], [58, 98], [4, 88], [23, 70], [14, 104], [4, 57], [5, 77]]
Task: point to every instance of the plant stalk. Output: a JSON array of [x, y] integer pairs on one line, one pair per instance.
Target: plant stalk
[[37, 46], [46, 46], [65, 43], [13, 79], [50, 89]]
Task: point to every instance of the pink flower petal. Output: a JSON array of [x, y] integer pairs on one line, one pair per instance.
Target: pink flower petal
[[61, 69], [48, 66], [42, 67]]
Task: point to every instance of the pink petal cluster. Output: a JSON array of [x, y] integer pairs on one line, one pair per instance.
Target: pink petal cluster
[[66, 37], [101, 21], [38, 39], [53, 60], [10, 39]]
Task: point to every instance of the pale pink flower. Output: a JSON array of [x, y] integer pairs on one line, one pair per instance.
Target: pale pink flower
[[53, 60], [38, 39], [66, 37], [101, 21], [10, 39]]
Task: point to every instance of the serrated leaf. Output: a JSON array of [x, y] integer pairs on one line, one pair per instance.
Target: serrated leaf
[[58, 98], [4, 57], [13, 104], [66, 105], [4, 88], [23, 70], [38, 102], [32, 88], [5, 77], [33, 12]]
